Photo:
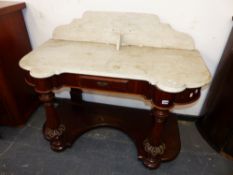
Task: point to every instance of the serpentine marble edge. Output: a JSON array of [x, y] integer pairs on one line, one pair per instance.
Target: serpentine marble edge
[[121, 45]]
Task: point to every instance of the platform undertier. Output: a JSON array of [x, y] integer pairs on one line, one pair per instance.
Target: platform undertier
[[136, 123]]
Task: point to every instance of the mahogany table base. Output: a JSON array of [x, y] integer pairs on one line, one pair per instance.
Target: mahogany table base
[[154, 132], [77, 118]]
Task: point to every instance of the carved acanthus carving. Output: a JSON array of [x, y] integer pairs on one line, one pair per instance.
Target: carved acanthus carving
[[154, 150], [54, 133]]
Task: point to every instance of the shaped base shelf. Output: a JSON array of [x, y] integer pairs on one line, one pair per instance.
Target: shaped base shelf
[[136, 123]]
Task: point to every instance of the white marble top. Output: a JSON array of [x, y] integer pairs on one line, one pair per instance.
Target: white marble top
[[169, 68]]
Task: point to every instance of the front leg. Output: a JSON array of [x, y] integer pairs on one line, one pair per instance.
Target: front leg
[[153, 144], [53, 129]]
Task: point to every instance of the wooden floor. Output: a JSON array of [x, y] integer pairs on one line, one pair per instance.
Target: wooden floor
[[102, 151]]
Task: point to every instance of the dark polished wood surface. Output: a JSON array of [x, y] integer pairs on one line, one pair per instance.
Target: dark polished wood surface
[[154, 132], [216, 124], [7, 7], [136, 87], [17, 99]]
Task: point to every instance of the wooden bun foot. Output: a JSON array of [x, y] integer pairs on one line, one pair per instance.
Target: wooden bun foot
[[152, 163]]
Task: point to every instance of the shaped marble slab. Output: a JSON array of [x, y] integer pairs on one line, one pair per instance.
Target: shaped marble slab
[[121, 45], [171, 70], [123, 29]]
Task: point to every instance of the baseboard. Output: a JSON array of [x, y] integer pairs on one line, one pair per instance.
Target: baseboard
[[186, 117]]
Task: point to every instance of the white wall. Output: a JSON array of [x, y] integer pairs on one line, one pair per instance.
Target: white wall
[[207, 21]]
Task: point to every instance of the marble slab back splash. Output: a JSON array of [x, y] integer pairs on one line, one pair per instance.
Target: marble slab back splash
[[136, 29]]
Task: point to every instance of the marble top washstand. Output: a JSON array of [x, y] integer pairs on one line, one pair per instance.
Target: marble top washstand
[[119, 52]]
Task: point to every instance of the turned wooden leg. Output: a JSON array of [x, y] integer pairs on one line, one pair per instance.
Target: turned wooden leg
[[53, 130], [153, 144], [76, 95]]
